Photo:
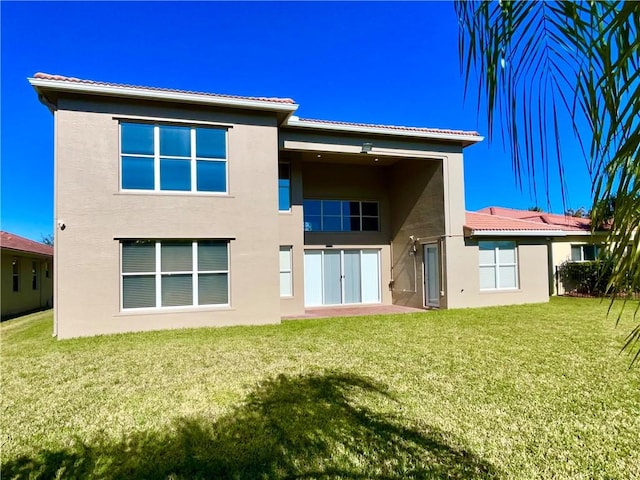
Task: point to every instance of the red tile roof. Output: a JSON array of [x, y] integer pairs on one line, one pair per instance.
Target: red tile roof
[[11, 241], [477, 221], [565, 222], [61, 78], [394, 127]]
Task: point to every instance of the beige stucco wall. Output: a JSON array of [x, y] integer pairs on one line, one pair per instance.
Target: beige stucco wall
[[463, 281], [97, 214], [417, 209], [26, 298]]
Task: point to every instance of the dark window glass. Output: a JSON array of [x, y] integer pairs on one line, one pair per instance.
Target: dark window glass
[[213, 289], [312, 207], [312, 223], [370, 209], [139, 291], [331, 224], [137, 138], [352, 224], [211, 143], [211, 176], [331, 207], [137, 173], [175, 174], [370, 224], [177, 290], [212, 256], [175, 141]]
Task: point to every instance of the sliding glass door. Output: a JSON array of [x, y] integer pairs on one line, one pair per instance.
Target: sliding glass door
[[338, 277]]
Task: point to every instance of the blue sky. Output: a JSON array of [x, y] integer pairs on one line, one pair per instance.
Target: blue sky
[[378, 62]]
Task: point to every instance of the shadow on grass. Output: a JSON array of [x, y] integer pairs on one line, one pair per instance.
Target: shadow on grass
[[313, 426]]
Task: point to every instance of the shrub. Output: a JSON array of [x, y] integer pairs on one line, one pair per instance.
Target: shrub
[[588, 278]]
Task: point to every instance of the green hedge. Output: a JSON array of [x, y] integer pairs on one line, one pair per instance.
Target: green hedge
[[589, 278]]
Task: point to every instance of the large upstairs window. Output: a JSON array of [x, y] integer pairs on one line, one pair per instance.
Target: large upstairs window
[[173, 158], [341, 216]]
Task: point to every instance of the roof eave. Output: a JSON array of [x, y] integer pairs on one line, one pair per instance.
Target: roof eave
[[516, 233], [465, 140], [42, 85], [26, 252]]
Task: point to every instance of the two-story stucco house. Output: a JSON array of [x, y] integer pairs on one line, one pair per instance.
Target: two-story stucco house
[[184, 209]]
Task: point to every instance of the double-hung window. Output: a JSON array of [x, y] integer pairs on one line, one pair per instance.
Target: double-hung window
[[173, 158], [341, 216], [286, 272], [174, 273], [498, 265]]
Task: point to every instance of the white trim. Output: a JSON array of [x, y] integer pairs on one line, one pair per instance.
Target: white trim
[[294, 121], [144, 93]]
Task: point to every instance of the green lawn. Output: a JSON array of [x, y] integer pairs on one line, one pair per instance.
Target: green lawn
[[514, 392]]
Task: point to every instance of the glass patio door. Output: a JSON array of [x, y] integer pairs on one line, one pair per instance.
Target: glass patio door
[[339, 277], [431, 275]]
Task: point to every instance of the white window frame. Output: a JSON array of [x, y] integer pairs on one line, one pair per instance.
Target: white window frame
[[289, 250], [158, 274], [193, 159], [496, 264]]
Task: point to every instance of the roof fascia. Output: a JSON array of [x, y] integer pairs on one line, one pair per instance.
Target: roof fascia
[[140, 93], [449, 137]]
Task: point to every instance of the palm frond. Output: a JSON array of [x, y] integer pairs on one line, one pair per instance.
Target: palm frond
[[545, 66]]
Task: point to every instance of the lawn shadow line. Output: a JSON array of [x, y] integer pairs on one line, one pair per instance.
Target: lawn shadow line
[[302, 427]]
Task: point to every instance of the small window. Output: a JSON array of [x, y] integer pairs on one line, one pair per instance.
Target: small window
[[174, 273], [286, 272], [15, 274], [173, 158], [498, 265], [284, 187], [341, 216], [46, 269], [34, 275], [584, 253]]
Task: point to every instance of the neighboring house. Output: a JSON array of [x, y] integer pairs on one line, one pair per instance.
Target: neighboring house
[[577, 243], [186, 209], [27, 275]]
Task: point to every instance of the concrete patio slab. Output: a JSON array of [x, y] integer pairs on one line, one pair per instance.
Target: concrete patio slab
[[353, 311]]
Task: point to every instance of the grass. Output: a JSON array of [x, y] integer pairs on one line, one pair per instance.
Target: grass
[[535, 391]]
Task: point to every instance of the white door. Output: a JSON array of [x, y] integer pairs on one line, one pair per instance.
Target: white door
[[338, 277], [431, 275]]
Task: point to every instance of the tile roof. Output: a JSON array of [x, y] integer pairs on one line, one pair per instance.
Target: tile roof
[[61, 78], [11, 241], [393, 127], [477, 221], [566, 222]]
